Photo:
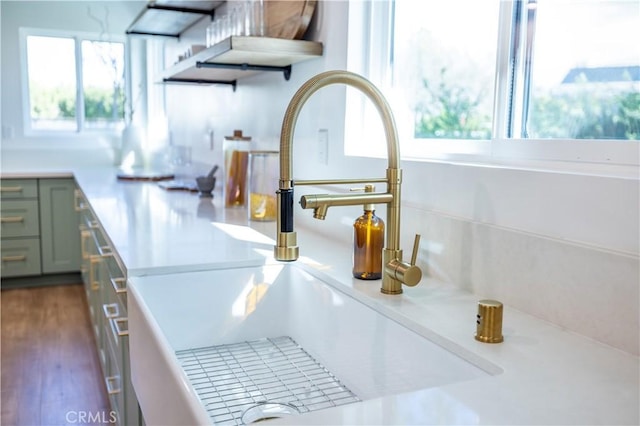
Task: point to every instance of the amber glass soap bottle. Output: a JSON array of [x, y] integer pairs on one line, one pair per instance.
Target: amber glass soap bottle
[[368, 240]]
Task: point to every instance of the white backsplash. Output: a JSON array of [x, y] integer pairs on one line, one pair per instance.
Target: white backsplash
[[585, 289]]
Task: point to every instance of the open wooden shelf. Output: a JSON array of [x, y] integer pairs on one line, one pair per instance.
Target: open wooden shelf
[[171, 17], [239, 57]]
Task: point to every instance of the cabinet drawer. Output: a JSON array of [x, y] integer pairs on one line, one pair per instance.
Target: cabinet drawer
[[117, 344], [18, 188], [114, 380], [20, 257], [19, 218]]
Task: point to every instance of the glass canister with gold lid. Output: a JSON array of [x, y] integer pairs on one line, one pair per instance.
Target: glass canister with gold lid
[[236, 159]]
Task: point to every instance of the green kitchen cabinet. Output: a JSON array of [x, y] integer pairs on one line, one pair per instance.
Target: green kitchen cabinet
[[59, 237], [19, 228], [39, 230]]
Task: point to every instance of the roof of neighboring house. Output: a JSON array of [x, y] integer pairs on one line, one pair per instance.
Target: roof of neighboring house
[[603, 74]]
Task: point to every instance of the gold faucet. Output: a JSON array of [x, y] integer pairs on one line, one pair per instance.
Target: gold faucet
[[396, 271]]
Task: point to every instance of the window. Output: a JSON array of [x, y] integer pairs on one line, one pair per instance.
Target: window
[[585, 70], [444, 57], [74, 83], [469, 77]]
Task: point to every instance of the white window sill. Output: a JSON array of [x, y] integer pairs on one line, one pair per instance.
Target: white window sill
[[619, 159], [620, 171]]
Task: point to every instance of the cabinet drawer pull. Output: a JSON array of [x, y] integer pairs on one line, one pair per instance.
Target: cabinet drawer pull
[[84, 236], [11, 219], [119, 285], [113, 384], [16, 258], [93, 279], [111, 310], [122, 326], [79, 203], [10, 189]]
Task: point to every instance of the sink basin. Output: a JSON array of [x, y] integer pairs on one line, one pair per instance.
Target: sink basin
[[366, 351]]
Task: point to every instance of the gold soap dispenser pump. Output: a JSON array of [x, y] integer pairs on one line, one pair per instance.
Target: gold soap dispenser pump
[[368, 241]]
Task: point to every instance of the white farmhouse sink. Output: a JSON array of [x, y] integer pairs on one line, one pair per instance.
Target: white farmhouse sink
[[367, 353]]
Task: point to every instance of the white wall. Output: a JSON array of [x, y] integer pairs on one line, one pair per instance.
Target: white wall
[[560, 245], [259, 103]]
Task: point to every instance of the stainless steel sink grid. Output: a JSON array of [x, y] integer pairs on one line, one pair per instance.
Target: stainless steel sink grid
[[233, 378]]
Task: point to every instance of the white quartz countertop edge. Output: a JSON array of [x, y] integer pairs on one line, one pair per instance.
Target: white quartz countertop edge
[[37, 174]]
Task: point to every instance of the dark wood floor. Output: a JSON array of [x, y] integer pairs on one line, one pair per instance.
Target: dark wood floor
[[50, 369]]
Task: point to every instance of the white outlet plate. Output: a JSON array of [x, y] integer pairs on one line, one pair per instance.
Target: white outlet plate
[[323, 146]]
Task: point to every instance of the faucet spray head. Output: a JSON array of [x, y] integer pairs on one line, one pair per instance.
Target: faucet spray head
[[320, 212], [286, 248]]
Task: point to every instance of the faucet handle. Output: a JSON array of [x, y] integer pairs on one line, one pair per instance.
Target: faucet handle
[[407, 273], [414, 252], [411, 274]]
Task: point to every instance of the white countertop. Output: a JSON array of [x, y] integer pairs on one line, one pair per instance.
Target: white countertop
[[155, 230], [550, 376]]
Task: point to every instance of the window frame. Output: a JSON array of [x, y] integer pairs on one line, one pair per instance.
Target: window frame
[[503, 148], [78, 37]]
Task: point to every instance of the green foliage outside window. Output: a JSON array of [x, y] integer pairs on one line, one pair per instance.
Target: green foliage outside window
[[451, 110], [52, 103], [60, 103], [586, 114], [104, 104]]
